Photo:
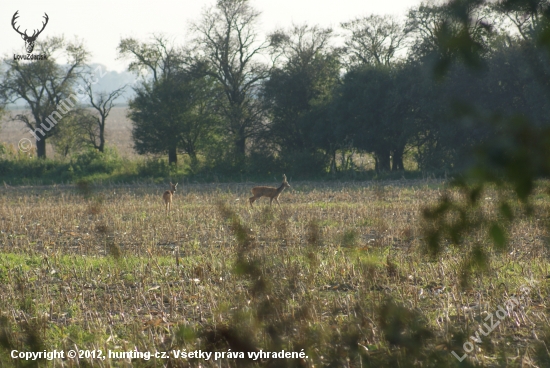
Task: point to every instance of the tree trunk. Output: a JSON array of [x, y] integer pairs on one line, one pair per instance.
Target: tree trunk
[[240, 145], [194, 160], [382, 161], [333, 167], [172, 156], [192, 154], [397, 159], [41, 147], [102, 138]]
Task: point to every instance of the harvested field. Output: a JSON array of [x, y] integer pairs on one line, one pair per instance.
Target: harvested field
[[337, 271]]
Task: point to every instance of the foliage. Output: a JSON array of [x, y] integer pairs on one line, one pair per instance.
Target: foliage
[[19, 168], [157, 58], [369, 114], [374, 40], [511, 161], [73, 137], [296, 91], [316, 108], [227, 46], [175, 114]]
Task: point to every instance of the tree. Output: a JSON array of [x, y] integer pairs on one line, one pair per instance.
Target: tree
[[410, 103], [307, 77], [526, 16], [2, 112], [158, 61], [45, 86], [158, 58], [363, 107], [73, 136], [102, 103], [227, 42], [461, 29], [509, 164], [175, 114], [304, 82], [374, 40], [513, 80]]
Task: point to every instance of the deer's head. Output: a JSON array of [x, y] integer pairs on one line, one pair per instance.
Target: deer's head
[[285, 183], [29, 40]]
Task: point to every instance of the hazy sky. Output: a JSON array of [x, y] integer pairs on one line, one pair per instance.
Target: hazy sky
[[101, 23]]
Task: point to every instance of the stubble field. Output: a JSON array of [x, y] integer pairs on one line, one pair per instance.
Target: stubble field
[[337, 272]]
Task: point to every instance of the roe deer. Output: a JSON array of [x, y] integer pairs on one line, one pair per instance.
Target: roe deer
[[167, 196], [271, 192]]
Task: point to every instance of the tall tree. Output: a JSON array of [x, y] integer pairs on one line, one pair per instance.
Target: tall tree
[[174, 115], [156, 60], [510, 165], [374, 40], [303, 82], [309, 71], [46, 86], [228, 42], [458, 29], [102, 103], [364, 107], [526, 16]]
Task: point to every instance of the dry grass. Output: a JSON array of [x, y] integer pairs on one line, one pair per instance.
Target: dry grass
[[107, 269]]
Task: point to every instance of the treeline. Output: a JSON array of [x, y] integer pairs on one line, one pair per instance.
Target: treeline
[[302, 103]]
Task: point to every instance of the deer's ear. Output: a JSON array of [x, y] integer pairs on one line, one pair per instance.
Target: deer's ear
[[23, 36], [176, 185]]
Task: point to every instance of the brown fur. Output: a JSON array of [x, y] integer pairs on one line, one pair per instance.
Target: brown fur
[[167, 196], [271, 192]]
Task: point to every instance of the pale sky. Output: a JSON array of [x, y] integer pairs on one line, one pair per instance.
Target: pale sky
[[101, 23]]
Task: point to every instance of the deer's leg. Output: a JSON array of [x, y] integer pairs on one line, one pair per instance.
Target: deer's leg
[[270, 201], [251, 200], [277, 200]]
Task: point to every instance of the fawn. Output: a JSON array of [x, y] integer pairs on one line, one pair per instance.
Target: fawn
[[272, 193], [167, 196]]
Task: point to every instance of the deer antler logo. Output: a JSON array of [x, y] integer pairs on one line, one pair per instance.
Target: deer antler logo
[[29, 40]]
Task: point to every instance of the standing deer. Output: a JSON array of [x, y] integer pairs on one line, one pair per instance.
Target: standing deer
[[167, 196], [29, 40], [271, 192]]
